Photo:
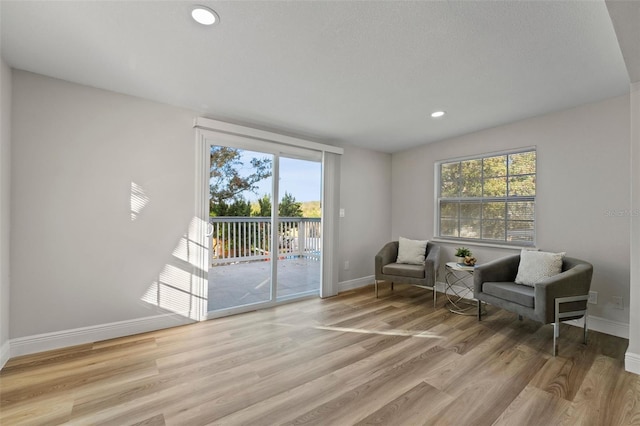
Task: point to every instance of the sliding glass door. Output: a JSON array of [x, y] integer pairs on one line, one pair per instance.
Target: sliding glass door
[[299, 227], [264, 225]]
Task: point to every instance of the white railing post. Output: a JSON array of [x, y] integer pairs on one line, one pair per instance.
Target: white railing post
[[302, 237]]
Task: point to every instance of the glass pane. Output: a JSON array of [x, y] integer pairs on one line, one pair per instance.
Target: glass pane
[[298, 227], [471, 182], [493, 210], [241, 239], [470, 210], [470, 228], [450, 180], [520, 231], [495, 187], [495, 166], [449, 227], [522, 186], [449, 210], [520, 210], [523, 163], [493, 230]]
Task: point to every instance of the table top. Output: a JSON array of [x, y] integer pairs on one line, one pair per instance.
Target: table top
[[459, 267]]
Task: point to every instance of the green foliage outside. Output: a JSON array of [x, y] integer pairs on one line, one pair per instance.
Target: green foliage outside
[[499, 177], [227, 183]]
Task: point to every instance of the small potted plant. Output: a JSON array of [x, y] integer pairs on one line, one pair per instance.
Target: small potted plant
[[461, 253]]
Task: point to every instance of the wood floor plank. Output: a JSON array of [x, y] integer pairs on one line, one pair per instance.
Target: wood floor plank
[[349, 359], [535, 407], [408, 407]]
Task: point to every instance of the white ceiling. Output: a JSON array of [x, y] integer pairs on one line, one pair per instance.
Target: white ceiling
[[366, 73]]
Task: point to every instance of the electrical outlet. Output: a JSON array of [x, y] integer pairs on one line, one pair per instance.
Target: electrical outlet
[[346, 265], [618, 302], [341, 211], [593, 297]]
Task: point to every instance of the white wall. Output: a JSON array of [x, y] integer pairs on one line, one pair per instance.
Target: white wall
[[583, 173], [365, 190], [5, 190], [78, 259]]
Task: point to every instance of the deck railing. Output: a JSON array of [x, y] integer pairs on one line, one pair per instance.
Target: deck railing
[[236, 239]]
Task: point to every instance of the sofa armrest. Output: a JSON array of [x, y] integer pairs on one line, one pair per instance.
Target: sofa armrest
[[432, 263], [387, 254], [504, 269], [572, 282]]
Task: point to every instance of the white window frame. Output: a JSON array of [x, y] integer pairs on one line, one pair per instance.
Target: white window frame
[[481, 241]]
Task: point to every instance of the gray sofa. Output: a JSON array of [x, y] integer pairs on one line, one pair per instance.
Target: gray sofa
[[424, 276], [558, 298]]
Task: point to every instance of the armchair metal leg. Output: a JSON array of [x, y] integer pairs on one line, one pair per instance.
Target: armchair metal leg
[[376, 288], [572, 314], [434, 295], [391, 285], [479, 310]]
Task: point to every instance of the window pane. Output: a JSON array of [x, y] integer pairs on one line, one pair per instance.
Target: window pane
[[470, 210], [523, 163], [521, 210], [449, 210], [449, 227], [495, 166], [493, 210], [470, 228], [520, 231], [495, 187], [493, 230], [471, 182], [522, 186], [450, 180]]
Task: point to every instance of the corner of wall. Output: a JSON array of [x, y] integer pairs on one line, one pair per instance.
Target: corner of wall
[[5, 201]]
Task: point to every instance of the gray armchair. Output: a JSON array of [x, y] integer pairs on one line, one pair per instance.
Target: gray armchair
[[558, 298], [423, 276]]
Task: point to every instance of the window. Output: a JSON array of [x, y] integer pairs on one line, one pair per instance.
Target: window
[[490, 199]]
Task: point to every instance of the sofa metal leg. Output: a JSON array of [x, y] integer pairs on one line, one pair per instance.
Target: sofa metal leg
[[585, 328], [434, 295], [391, 285], [520, 317], [479, 310], [376, 288], [568, 314]]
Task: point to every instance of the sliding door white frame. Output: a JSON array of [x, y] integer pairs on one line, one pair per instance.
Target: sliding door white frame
[[212, 132]]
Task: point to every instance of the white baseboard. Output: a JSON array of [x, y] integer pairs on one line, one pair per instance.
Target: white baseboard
[[603, 325], [78, 336], [632, 362], [5, 350], [357, 283]]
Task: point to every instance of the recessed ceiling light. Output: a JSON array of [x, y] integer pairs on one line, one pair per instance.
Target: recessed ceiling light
[[437, 114], [203, 15]]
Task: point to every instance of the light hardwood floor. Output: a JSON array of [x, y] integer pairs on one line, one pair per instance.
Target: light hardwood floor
[[351, 359]]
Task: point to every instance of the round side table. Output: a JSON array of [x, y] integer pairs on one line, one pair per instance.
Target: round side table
[[459, 291]]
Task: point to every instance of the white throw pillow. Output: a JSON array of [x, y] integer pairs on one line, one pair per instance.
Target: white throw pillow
[[535, 266], [411, 251]]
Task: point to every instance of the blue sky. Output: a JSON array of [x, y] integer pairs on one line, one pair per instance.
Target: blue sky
[[301, 178]]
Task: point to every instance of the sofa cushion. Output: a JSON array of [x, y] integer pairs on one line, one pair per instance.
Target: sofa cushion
[[404, 270], [520, 294], [536, 266], [411, 251]]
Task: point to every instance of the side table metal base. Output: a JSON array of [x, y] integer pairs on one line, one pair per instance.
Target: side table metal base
[[459, 284]]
